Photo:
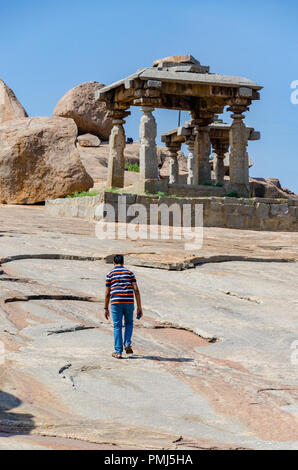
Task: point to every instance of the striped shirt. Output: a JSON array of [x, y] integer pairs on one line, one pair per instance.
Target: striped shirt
[[120, 282]]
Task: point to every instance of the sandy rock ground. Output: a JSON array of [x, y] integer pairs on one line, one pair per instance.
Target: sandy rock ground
[[212, 365]]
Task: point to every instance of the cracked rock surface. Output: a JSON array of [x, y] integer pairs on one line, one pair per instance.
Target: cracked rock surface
[[212, 363]]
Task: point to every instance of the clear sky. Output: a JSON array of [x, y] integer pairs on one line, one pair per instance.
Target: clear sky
[[48, 47]]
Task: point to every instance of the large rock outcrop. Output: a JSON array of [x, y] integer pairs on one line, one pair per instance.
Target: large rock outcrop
[[39, 160], [10, 107], [270, 187], [89, 115]]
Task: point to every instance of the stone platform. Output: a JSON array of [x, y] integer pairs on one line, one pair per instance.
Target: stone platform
[[225, 212]]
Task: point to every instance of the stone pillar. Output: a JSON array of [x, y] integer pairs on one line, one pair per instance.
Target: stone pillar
[[116, 157], [239, 174], [202, 152], [219, 167], [192, 166], [174, 165], [148, 154]]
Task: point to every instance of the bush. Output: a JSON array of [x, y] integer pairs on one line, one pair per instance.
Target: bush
[[132, 167], [232, 194], [84, 193], [112, 190]]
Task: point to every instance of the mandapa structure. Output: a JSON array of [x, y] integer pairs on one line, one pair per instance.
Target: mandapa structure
[[219, 136], [180, 83]]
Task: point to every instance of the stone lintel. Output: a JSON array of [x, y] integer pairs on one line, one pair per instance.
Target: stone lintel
[[183, 131], [153, 84], [118, 113], [245, 92], [218, 133], [152, 102]]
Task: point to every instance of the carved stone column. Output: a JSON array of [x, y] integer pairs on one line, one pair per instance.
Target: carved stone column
[[174, 165], [239, 173], [202, 149], [220, 150], [148, 154], [192, 165], [117, 145]]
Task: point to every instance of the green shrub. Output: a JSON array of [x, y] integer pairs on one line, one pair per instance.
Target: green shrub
[[232, 194], [112, 190], [83, 194], [132, 167]]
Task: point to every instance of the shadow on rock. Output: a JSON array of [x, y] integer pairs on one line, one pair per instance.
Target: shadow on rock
[[13, 423], [163, 359]]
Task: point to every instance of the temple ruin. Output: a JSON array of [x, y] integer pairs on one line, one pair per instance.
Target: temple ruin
[[182, 83], [219, 137]]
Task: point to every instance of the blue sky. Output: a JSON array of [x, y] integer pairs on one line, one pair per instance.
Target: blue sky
[[49, 47]]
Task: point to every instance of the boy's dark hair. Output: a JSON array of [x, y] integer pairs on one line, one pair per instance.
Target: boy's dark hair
[[160, 165], [118, 259]]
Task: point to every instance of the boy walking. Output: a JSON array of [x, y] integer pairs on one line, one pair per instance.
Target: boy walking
[[121, 287]]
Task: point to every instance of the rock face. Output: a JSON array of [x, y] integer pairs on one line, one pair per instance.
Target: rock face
[[10, 107], [271, 188], [88, 140], [89, 115], [214, 361], [39, 160]]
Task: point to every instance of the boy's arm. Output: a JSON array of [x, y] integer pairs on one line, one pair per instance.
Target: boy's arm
[[138, 298], [107, 301]]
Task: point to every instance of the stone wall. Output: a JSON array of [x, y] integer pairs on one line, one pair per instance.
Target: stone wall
[[188, 190], [227, 212], [82, 207]]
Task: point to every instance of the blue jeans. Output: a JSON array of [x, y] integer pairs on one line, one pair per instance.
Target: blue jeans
[[118, 312]]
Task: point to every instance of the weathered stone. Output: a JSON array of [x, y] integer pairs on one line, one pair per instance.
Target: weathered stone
[[239, 177], [235, 221], [88, 140], [231, 208], [292, 202], [39, 160], [279, 209], [216, 206], [246, 209], [148, 156], [191, 176], [202, 149], [262, 210], [174, 166], [10, 107], [219, 168], [90, 115], [211, 218], [283, 223], [116, 158], [293, 211]]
